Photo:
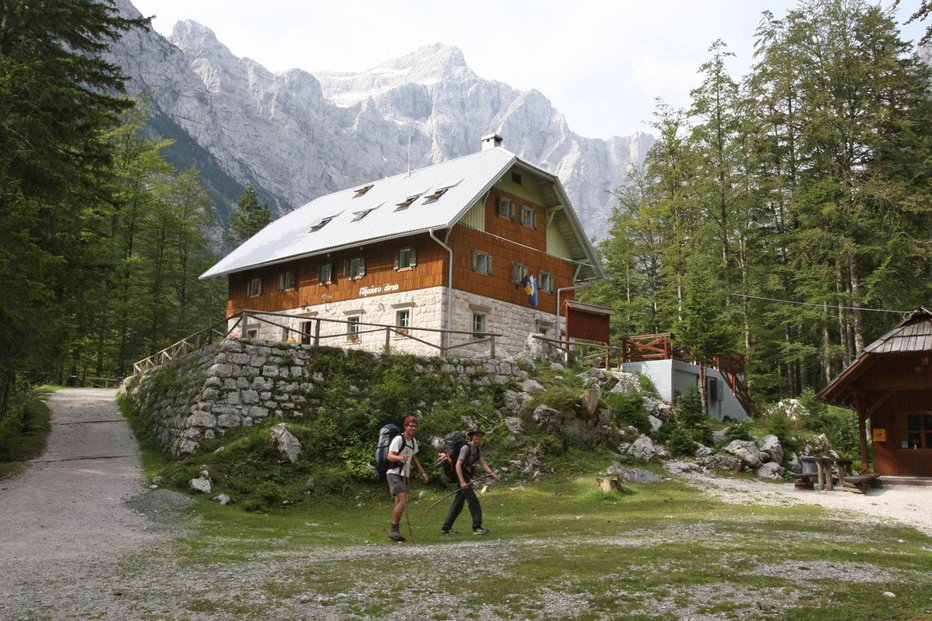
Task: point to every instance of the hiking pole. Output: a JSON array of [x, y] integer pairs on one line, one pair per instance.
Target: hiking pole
[[471, 483], [408, 516]]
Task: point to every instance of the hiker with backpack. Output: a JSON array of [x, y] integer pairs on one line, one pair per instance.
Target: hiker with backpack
[[464, 466], [402, 451]]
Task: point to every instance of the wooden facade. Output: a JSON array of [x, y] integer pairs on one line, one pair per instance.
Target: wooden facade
[[507, 241], [890, 387]]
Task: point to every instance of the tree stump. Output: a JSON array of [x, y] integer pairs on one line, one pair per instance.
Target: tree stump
[[609, 484]]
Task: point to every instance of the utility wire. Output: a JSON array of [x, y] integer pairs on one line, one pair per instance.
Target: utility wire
[[854, 308]]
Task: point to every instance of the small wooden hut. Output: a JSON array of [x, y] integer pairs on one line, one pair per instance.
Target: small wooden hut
[[890, 384]]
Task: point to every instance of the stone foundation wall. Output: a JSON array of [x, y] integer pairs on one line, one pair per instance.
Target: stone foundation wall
[[241, 382]]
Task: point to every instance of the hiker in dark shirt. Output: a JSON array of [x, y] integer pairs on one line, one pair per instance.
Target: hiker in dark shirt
[[465, 469]]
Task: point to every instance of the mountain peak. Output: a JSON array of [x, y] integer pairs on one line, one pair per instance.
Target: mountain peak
[[197, 40], [427, 64]]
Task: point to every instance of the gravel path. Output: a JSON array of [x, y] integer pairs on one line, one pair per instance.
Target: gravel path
[[909, 504], [77, 510]]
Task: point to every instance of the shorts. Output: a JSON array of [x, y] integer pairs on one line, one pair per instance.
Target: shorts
[[397, 484]]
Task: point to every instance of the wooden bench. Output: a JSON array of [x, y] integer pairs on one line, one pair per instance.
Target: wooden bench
[[805, 480], [861, 482]]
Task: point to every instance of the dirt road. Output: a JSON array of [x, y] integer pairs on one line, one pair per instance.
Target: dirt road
[[69, 517]]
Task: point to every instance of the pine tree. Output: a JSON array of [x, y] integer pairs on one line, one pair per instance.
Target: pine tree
[[249, 218]]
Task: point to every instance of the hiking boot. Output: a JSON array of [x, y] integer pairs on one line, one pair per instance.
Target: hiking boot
[[480, 531], [394, 535], [448, 531]]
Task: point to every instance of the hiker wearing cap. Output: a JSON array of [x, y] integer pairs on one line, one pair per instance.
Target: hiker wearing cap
[[466, 461], [402, 452]]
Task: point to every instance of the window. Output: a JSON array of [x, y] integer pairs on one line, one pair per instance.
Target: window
[[254, 289], [712, 394], [321, 223], [403, 320], [433, 198], [528, 217], [359, 215], [325, 273], [352, 328], [481, 262], [544, 328], [478, 324], [506, 208], [252, 332], [286, 335], [545, 282], [361, 191], [354, 267], [518, 271], [286, 280], [407, 202], [516, 178], [405, 258], [915, 431]]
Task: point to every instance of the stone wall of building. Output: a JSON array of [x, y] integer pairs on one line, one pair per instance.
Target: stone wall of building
[[512, 321], [241, 382]]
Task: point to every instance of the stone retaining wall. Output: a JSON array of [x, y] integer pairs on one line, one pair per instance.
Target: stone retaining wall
[[241, 382]]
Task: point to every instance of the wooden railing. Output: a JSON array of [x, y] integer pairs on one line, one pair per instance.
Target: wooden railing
[[660, 346], [185, 345], [354, 331]]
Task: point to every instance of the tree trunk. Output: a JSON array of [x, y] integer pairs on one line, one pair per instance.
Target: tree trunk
[[856, 303], [702, 389], [826, 345]]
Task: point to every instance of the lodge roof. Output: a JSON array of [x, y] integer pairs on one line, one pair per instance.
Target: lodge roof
[[912, 335], [431, 198]]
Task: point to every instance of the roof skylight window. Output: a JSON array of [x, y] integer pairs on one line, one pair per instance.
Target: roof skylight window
[[407, 202], [359, 215], [362, 190], [316, 226], [433, 198]]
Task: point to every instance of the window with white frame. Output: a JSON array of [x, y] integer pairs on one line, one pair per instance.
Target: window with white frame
[[325, 273], [506, 208], [545, 282], [481, 262], [286, 280], [251, 332], [405, 258], [254, 288], [528, 217], [354, 267], [478, 324], [352, 327], [518, 272], [403, 319]]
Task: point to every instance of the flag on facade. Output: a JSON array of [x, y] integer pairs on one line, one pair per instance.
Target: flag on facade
[[530, 288]]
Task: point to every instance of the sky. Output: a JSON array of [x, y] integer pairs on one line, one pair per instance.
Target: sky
[[603, 64]]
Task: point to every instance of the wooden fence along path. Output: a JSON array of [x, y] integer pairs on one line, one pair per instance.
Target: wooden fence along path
[[353, 330]]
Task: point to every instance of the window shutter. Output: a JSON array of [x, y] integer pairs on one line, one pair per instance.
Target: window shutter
[[475, 261], [362, 266], [488, 264], [346, 268], [396, 261], [413, 256]]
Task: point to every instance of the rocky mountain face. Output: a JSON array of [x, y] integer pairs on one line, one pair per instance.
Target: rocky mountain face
[[296, 136]]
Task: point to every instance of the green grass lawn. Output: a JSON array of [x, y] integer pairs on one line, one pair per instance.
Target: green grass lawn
[[562, 550]]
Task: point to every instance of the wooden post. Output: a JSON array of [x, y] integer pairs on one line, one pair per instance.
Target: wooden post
[[316, 332], [492, 346], [861, 408], [388, 336]]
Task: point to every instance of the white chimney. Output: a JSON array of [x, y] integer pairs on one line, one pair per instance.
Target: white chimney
[[491, 141]]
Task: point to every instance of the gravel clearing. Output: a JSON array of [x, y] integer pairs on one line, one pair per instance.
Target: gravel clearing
[[910, 505], [84, 538]]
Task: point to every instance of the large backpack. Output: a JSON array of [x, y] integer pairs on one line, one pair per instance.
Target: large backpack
[[380, 465], [453, 442]]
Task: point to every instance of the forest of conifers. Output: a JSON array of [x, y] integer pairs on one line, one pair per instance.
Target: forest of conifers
[[806, 181], [785, 215]]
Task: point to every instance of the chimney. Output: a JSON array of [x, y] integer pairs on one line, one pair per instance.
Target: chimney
[[491, 141]]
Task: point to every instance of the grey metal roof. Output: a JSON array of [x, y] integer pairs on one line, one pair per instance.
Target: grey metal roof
[[914, 333], [349, 218]]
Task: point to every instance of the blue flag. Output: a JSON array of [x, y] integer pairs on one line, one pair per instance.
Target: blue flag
[[530, 288]]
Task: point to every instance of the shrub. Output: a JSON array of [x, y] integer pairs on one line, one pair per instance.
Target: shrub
[[680, 440], [739, 431], [690, 416], [647, 386], [628, 410]]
